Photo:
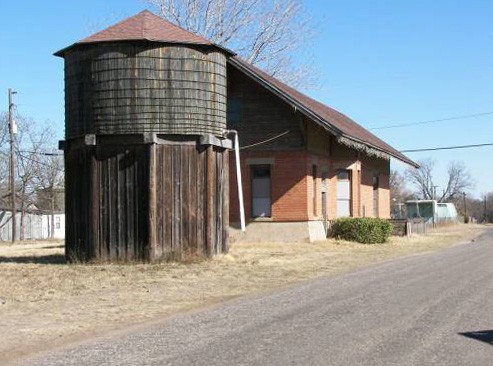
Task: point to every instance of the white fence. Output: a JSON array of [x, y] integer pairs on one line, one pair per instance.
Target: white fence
[[37, 226]]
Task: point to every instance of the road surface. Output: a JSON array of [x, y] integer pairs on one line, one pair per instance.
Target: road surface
[[432, 309]]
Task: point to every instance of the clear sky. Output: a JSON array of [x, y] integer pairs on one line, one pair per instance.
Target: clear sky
[[380, 62]]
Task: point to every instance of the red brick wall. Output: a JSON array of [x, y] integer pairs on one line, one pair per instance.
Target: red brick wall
[[288, 184], [372, 166], [363, 168], [292, 183]]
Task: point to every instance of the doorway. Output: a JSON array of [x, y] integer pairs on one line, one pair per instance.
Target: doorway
[[343, 193]]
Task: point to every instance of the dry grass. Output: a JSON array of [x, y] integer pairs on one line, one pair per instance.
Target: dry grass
[[44, 301]]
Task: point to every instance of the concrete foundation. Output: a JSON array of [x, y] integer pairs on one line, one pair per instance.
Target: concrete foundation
[[279, 232]]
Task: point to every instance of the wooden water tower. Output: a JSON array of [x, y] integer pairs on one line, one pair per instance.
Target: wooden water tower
[[146, 160]]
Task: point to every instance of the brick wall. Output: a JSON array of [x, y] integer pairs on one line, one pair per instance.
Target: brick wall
[[292, 184], [288, 184], [371, 167]]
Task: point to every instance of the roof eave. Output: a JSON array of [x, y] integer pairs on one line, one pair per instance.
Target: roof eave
[[61, 53], [402, 158]]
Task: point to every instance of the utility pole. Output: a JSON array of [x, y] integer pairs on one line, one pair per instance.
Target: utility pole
[[434, 192], [466, 219], [12, 132], [484, 210]]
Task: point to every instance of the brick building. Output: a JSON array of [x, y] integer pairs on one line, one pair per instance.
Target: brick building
[[145, 85], [303, 163]]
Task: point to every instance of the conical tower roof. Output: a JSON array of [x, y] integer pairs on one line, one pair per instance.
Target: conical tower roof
[[145, 26]]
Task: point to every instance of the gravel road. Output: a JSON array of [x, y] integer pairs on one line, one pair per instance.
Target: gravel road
[[431, 309]]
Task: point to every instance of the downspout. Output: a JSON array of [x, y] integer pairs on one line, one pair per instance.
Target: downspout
[[238, 178], [359, 169]]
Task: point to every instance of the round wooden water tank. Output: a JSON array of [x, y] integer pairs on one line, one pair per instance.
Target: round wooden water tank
[[134, 87]]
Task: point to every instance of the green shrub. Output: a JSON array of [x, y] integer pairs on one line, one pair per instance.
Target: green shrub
[[362, 230]]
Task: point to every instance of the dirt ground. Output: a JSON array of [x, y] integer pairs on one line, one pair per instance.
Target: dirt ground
[[45, 303]]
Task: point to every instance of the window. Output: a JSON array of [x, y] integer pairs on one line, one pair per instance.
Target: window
[[57, 222], [342, 175], [233, 110], [324, 189], [314, 178], [343, 193], [261, 191]]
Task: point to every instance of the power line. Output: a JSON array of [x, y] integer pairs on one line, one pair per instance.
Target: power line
[[448, 148], [40, 153], [433, 121], [40, 162]]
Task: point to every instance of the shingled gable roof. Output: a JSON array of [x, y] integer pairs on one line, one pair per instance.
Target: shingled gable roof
[[335, 122], [145, 26]]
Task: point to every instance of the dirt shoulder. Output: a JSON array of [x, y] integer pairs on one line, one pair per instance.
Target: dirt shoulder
[[45, 303]]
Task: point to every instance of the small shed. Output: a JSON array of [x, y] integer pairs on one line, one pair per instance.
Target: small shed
[[447, 213], [431, 211]]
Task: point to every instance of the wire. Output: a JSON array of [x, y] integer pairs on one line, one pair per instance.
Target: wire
[[432, 121], [265, 141], [40, 162], [40, 153], [448, 148]]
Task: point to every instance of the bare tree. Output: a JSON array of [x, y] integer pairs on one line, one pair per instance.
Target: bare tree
[[265, 33], [399, 194], [4, 159], [33, 169], [458, 180], [4, 171], [49, 184], [398, 189], [31, 143]]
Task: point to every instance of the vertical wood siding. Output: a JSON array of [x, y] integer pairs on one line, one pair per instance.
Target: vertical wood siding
[[146, 202], [191, 201], [123, 202], [79, 205], [263, 116], [107, 203]]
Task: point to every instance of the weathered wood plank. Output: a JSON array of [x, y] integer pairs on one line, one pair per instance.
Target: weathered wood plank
[[130, 172], [152, 203], [184, 199], [201, 201], [192, 200], [211, 195], [167, 199], [116, 216], [176, 162], [94, 205]]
